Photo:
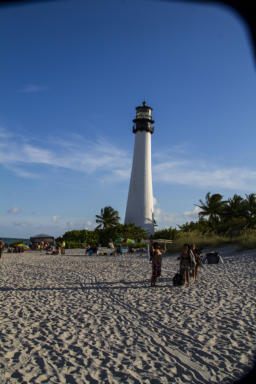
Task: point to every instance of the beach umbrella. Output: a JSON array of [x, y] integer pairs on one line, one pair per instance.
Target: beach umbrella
[[123, 241], [21, 245], [128, 241], [119, 240]]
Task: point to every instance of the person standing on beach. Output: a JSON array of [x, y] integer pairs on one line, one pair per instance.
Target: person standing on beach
[[150, 250], [156, 263], [198, 256], [1, 247], [193, 261], [186, 262], [42, 245]]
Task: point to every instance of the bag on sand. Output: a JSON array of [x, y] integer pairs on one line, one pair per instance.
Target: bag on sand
[[213, 257], [178, 279]]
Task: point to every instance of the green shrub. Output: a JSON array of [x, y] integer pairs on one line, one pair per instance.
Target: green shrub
[[201, 240], [246, 240]]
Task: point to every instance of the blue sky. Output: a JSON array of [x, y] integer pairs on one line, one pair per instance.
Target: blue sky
[[72, 73]]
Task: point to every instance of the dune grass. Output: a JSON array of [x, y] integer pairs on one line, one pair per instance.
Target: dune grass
[[246, 240]]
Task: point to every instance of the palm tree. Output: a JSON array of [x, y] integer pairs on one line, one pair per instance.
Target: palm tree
[[235, 207], [212, 208], [251, 210], [108, 218], [234, 216]]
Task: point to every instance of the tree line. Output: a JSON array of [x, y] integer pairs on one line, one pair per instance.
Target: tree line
[[227, 218], [108, 228]]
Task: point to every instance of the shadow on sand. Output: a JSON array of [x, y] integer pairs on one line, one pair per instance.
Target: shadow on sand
[[103, 285]]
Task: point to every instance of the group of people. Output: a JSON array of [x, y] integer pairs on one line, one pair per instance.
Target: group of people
[[90, 249], [14, 249], [190, 261], [42, 246], [93, 249]]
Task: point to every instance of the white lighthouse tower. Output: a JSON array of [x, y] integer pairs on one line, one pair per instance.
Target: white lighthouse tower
[[139, 209]]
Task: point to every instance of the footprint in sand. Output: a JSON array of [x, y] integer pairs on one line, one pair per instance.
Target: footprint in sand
[[244, 359], [201, 338], [212, 342]]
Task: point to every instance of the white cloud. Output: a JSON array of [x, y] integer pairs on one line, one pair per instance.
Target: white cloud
[[26, 226], [164, 218], [14, 210], [89, 225], [123, 173], [80, 156], [190, 215], [22, 173], [33, 88], [192, 173], [37, 155], [56, 218]]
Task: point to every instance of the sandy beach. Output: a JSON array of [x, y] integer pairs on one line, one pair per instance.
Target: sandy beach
[[94, 319]]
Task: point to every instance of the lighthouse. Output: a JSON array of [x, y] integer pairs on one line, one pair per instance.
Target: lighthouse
[[139, 209]]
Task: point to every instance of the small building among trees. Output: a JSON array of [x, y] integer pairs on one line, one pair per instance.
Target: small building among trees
[[35, 240]]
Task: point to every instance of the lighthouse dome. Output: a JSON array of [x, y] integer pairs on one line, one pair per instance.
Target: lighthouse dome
[[143, 119]]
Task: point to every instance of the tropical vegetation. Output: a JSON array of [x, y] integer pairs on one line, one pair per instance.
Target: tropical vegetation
[[108, 229], [108, 218], [219, 222]]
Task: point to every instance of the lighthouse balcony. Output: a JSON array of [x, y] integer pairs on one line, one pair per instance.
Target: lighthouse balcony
[[146, 128]]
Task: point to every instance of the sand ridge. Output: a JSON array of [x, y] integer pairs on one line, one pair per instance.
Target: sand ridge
[[94, 319]]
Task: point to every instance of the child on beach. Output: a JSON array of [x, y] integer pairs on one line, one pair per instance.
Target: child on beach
[[198, 259], [156, 263], [186, 262]]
